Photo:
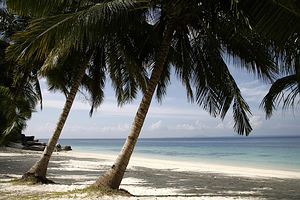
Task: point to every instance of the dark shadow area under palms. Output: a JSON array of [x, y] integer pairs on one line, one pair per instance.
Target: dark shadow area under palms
[[196, 184], [187, 184]]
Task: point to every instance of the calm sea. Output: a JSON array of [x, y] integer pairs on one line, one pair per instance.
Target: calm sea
[[267, 152]]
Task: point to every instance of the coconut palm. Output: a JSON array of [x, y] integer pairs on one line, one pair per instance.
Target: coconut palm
[[91, 76], [195, 37], [43, 46], [191, 35], [17, 102], [285, 91], [84, 23], [14, 114], [280, 22], [39, 169]]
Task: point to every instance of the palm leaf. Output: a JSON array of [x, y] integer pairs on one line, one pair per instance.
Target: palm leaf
[[278, 19], [285, 90], [15, 113], [94, 80], [70, 30], [40, 8], [216, 88]]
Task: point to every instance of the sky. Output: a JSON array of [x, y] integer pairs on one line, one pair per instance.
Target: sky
[[174, 117]]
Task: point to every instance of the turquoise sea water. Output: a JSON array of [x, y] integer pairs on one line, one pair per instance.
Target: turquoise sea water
[[266, 152]]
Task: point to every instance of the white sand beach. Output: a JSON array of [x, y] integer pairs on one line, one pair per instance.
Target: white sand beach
[[147, 178]]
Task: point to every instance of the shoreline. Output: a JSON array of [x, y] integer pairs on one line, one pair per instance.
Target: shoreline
[[181, 165], [192, 161], [149, 178], [259, 153]]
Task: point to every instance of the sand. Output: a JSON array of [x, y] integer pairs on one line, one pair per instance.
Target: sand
[[147, 178]]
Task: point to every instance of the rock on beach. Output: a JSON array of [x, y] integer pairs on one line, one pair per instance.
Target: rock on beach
[[29, 143]]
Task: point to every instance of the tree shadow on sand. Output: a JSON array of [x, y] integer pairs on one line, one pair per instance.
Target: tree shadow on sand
[[66, 170], [61, 169], [201, 184]]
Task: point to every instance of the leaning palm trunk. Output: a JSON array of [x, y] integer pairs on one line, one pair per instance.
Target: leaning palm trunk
[[39, 170], [113, 177]]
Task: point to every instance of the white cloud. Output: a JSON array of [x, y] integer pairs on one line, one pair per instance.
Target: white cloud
[[200, 126], [254, 91], [188, 127], [228, 125], [117, 128], [220, 126], [256, 122], [155, 126]]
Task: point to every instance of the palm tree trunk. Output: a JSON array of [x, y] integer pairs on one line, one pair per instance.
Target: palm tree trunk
[[113, 177], [39, 170]]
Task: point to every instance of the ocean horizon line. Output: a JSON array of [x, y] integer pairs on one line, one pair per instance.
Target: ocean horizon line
[[188, 137]]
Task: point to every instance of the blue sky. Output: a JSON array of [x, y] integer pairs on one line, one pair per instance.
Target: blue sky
[[175, 117]]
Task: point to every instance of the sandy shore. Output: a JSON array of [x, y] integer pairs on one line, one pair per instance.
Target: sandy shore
[[148, 179]]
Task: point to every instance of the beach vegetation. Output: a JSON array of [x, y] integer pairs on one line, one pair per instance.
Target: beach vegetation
[[61, 56], [192, 37], [29, 181], [39, 170], [96, 191], [195, 37], [284, 32], [273, 25], [18, 99], [33, 67]]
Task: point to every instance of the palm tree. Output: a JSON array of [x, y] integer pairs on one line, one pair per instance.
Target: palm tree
[[14, 114], [192, 36], [284, 32], [44, 47], [17, 102], [285, 91], [39, 169], [195, 35]]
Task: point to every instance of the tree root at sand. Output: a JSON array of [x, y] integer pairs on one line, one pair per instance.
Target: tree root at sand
[[33, 179]]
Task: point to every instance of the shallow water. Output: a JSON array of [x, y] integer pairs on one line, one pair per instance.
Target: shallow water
[[266, 152]]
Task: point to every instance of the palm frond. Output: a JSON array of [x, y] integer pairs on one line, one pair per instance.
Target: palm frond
[[37, 89], [286, 91], [278, 20], [39, 8], [216, 88], [161, 90], [253, 54], [94, 80], [128, 62], [63, 74], [123, 70], [14, 113], [182, 58], [65, 31]]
